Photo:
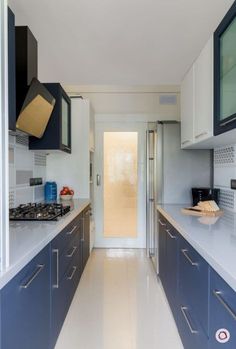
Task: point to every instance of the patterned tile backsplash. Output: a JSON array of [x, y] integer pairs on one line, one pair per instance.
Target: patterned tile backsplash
[[224, 171], [24, 164]]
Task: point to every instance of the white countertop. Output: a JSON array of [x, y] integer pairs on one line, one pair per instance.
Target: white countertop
[[27, 239], [214, 238]]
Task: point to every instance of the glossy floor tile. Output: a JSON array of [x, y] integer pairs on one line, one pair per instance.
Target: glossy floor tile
[[119, 304]]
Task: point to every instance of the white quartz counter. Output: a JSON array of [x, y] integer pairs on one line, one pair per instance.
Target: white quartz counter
[[214, 238], [27, 239]]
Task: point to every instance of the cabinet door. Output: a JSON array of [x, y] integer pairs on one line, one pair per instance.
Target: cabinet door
[[194, 282], [222, 314], [86, 236], [187, 109], [172, 239], [203, 119], [62, 291], [25, 306], [162, 250]]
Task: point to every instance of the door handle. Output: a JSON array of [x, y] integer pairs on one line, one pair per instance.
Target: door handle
[[35, 274], [184, 251], [184, 310], [56, 250], [170, 235], [98, 180], [218, 295]]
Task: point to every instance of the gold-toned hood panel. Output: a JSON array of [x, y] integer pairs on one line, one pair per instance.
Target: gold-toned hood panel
[[34, 118]]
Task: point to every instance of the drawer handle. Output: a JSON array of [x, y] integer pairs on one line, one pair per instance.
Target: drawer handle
[[185, 142], [57, 253], [184, 312], [161, 223], [72, 230], [72, 274], [201, 134], [218, 294], [35, 274], [170, 235], [72, 252], [184, 251]]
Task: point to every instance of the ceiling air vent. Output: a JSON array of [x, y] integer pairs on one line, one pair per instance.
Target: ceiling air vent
[[167, 99]]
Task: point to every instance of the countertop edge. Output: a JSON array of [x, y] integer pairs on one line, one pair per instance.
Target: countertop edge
[[9, 273], [229, 279]]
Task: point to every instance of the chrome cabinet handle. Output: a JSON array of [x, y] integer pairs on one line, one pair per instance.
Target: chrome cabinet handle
[[98, 180], [82, 239], [161, 223], [55, 250], [192, 330], [72, 253], [170, 235], [201, 134], [35, 274], [185, 142], [218, 295], [72, 274], [184, 251], [72, 230]]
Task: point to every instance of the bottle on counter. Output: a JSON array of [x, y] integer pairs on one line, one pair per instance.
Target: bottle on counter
[[50, 191]]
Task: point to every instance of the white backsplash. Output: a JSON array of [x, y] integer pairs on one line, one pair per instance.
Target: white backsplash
[[224, 171], [24, 164]]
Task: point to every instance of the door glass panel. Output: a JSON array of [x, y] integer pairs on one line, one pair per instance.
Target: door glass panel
[[65, 123], [228, 72], [120, 184]]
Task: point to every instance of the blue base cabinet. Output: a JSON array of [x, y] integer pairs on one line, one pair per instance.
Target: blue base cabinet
[[168, 261], [65, 274], [203, 304], [25, 306], [222, 314]]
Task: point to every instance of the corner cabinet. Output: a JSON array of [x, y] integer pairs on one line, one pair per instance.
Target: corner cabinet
[[57, 135], [197, 100]]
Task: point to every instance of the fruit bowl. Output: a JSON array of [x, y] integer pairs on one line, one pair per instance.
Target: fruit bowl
[[66, 197]]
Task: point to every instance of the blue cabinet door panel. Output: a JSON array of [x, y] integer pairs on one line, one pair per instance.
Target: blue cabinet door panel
[[194, 282], [190, 330], [25, 300], [222, 314]]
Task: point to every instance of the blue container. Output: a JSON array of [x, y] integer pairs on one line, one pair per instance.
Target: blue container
[[50, 191]]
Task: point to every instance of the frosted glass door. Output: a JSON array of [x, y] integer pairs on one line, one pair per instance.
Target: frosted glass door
[[120, 184]]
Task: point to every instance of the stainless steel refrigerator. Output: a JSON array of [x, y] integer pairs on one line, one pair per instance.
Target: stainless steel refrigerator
[[171, 173]]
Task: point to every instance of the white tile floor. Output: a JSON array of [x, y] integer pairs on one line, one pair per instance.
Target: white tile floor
[[119, 304]]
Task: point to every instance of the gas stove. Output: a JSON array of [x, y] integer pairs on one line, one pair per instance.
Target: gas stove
[[38, 212]]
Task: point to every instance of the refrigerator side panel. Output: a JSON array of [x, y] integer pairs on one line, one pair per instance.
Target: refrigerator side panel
[[182, 169]]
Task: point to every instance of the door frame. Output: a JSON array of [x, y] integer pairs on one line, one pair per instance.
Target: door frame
[[116, 126]]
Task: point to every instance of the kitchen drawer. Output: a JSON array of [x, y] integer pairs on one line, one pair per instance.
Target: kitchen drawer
[[222, 313], [25, 306], [194, 282], [190, 330], [67, 235]]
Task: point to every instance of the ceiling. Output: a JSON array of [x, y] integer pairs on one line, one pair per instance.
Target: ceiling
[[118, 42]]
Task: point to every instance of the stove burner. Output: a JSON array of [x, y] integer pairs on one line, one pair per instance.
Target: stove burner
[[38, 212]]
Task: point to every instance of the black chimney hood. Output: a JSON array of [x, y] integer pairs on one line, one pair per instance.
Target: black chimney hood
[[34, 103]]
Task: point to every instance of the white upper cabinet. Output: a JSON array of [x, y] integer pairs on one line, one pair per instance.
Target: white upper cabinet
[[187, 109], [197, 100], [203, 118]]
